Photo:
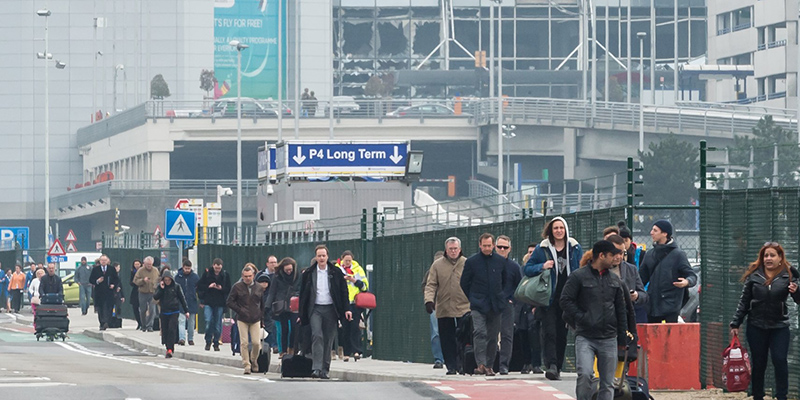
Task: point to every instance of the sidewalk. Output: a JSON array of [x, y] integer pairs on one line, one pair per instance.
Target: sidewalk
[[364, 370]]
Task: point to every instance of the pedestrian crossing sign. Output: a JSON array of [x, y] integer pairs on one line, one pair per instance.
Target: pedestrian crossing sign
[[180, 225]]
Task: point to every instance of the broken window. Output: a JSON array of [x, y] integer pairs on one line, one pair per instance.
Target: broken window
[[358, 39], [392, 39], [427, 36]]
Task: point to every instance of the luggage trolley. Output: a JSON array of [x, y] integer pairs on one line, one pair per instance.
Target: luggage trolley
[[51, 319]]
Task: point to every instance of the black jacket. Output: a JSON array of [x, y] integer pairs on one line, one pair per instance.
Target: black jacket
[[308, 292], [513, 277], [281, 288], [103, 291], [483, 282], [594, 304], [214, 297], [170, 298], [664, 297], [766, 304], [50, 284]]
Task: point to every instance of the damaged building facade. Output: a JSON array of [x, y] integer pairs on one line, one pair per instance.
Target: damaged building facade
[[541, 44]]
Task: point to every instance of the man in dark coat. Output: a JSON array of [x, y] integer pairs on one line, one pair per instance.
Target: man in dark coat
[[187, 280], [514, 276], [51, 283], [105, 281], [667, 270], [213, 289], [483, 281], [323, 303]]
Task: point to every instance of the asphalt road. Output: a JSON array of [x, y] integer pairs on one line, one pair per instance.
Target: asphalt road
[[82, 367]]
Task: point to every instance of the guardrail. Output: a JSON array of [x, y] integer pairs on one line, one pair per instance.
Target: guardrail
[[674, 119], [689, 117]]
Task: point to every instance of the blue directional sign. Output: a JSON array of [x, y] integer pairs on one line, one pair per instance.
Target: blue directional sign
[[180, 225], [56, 259], [20, 234], [266, 162], [318, 159]]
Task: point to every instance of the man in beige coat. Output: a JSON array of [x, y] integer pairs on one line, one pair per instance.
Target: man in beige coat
[[443, 293], [146, 279]]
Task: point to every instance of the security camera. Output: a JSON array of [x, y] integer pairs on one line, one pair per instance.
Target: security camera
[[227, 192], [60, 64], [124, 228], [270, 190]]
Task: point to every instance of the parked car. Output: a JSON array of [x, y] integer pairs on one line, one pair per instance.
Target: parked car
[[71, 290], [342, 105], [251, 108], [423, 110], [273, 105], [690, 310]]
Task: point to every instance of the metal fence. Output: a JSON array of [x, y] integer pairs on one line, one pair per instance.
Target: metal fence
[[735, 224]]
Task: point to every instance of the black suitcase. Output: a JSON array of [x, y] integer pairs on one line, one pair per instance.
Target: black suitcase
[[44, 322], [520, 351], [51, 310], [639, 388], [264, 359], [115, 322], [296, 367], [52, 298]]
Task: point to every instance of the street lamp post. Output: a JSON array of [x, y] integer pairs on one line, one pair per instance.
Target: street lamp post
[[641, 36], [118, 68], [60, 65], [508, 133], [500, 179], [239, 46]]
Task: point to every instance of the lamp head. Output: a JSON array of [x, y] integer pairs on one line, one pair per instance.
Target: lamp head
[[43, 12], [641, 35], [61, 64]]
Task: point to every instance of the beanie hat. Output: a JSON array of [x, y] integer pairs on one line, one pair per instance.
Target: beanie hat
[[665, 227], [263, 277], [166, 274]]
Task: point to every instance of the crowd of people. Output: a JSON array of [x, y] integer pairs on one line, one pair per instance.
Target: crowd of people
[[596, 294]]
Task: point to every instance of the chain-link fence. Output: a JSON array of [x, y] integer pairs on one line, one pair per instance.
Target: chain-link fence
[[735, 225]]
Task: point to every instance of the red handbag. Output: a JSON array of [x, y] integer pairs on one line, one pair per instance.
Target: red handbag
[[294, 304], [366, 300], [736, 367]]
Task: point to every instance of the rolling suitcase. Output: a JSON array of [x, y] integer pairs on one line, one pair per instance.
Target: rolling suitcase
[[296, 367], [264, 357], [52, 298], [51, 310], [44, 322], [225, 335]]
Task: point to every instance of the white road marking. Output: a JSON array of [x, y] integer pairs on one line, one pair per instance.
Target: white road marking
[[562, 396], [548, 388], [432, 382], [23, 378], [444, 388], [459, 396], [34, 384], [83, 350]]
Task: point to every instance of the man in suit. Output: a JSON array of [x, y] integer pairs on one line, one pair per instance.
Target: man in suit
[[323, 303], [105, 281]]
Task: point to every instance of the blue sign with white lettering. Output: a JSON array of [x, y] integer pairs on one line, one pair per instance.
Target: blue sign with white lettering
[[56, 259], [180, 225], [313, 159], [19, 234]]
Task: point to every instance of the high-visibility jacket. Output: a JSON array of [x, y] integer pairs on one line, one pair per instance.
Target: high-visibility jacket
[[360, 285]]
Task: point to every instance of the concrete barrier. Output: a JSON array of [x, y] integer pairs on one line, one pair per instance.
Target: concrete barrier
[[670, 356]]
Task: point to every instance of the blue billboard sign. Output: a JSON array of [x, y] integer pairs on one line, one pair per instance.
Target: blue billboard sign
[[19, 234], [254, 23], [321, 159], [266, 162]]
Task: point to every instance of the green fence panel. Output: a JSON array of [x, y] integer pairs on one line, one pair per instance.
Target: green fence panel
[[401, 326], [735, 224]]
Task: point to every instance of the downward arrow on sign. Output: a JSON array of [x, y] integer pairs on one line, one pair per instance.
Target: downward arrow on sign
[[396, 158], [299, 158]]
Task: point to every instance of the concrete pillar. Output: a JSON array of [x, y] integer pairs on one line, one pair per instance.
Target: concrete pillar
[[159, 165], [570, 152]]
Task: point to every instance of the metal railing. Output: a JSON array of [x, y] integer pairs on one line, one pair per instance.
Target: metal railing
[[671, 119], [686, 117]]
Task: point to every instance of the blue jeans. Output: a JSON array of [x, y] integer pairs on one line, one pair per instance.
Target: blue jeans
[[213, 317], [774, 342], [85, 296], [585, 352], [436, 344], [185, 324]]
